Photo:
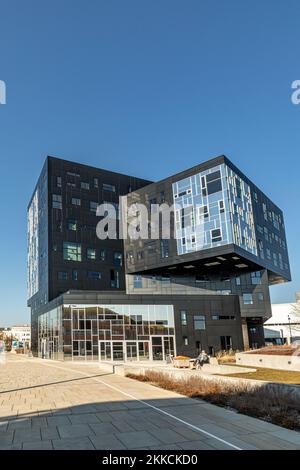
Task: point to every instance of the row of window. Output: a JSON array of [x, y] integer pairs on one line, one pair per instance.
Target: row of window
[[92, 275], [83, 184], [225, 342], [73, 252], [75, 201], [271, 217], [270, 237], [248, 298], [199, 320], [275, 258], [166, 279]]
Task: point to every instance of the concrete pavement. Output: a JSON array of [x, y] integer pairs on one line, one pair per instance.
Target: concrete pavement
[[60, 405]]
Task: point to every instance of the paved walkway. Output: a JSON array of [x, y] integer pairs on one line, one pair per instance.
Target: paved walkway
[[55, 405]]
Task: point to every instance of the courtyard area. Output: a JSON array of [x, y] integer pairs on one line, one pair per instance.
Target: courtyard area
[[58, 405]]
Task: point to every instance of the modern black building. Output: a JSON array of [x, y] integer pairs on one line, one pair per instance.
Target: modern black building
[[204, 286]]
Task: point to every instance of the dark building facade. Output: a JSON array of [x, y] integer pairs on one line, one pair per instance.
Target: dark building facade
[[63, 249], [204, 287]]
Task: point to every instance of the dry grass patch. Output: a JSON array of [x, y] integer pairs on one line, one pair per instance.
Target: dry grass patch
[[268, 402]]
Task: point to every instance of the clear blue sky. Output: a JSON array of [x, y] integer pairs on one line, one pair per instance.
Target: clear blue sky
[[146, 88]]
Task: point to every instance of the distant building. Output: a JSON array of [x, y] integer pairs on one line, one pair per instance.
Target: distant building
[[22, 333], [284, 324], [5, 332]]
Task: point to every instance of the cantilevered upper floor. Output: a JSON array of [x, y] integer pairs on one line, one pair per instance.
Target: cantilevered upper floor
[[221, 223]]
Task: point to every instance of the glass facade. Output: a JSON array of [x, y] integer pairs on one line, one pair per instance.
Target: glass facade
[[108, 332], [50, 334], [33, 246], [239, 194], [213, 208]]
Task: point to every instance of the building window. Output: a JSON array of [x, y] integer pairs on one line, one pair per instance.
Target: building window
[[213, 182], [164, 248], [76, 201], [223, 317], [72, 251], [226, 343], [247, 299], [72, 224], [56, 201], [185, 341], [221, 207], [137, 281], [118, 259], [93, 206], [102, 255], [260, 296], [238, 281], [109, 187], [95, 275], [75, 175], [58, 181], [183, 317], [84, 185], [75, 275], [199, 322], [216, 235], [62, 275], [256, 278], [91, 253], [96, 183], [114, 279]]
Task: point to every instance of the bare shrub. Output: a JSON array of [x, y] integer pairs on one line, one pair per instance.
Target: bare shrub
[[269, 402]]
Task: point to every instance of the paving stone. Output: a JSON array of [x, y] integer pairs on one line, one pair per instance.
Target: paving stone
[[74, 430], [84, 418], [58, 420], [287, 435], [107, 442], [83, 443], [122, 426], [6, 439], [134, 440], [166, 447], [196, 445], [50, 432], [103, 428], [19, 424], [25, 435], [189, 434], [168, 436], [37, 445]]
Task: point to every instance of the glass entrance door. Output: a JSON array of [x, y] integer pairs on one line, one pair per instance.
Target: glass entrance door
[[131, 351], [161, 347], [105, 350], [157, 348], [144, 350], [117, 350]]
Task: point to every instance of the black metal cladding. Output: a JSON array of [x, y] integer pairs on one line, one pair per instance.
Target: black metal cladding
[[77, 186]]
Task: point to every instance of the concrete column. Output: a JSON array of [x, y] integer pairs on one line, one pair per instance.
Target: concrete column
[[245, 334]]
